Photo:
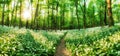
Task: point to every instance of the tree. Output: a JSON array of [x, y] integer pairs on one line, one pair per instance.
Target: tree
[[72, 18], [57, 5], [3, 14], [48, 18], [105, 13], [36, 15], [8, 13], [20, 21], [84, 14], [15, 23], [110, 17], [76, 5], [12, 14], [100, 16], [62, 20], [32, 19]]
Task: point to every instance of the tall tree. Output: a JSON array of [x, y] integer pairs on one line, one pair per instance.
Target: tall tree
[[32, 19], [53, 19], [93, 16], [3, 14], [36, 15], [57, 5], [15, 23], [8, 10], [100, 15], [48, 18], [20, 21], [110, 17], [62, 20], [76, 5], [12, 14], [72, 19], [105, 13], [84, 14]]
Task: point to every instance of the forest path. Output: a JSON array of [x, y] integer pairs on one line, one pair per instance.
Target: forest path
[[61, 49]]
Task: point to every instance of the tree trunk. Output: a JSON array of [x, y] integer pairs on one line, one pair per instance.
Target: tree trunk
[[32, 18], [3, 14], [105, 13], [52, 18], [76, 5], [57, 14], [15, 19], [84, 14], [100, 16], [12, 15], [72, 20], [110, 18], [36, 16], [48, 16], [20, 21], [63, 17], [94, 17], [8, 8], [27, 22]]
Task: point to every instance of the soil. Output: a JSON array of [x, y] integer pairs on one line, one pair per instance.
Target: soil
[[61, 49]]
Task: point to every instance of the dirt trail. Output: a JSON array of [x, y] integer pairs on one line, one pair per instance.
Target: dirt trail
[[61, 49]]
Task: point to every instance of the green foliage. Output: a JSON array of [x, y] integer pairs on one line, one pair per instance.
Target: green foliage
[[4, 29], [94, 41], [91, 41], [64, 11], [23, 42]]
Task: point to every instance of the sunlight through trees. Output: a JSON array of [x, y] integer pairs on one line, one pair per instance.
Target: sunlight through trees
[[59, 14]]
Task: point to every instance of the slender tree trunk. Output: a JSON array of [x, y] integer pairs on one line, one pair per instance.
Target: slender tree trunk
[[52, 18], [100, 16], [71, 22], [20, 21], [84, 14], [27, 22], [12, 15], [94, 17], [48, 16], [15, 19], [36, 16], [32, 18], [57, 14], [105, 13], [3, 14], [76, 5], [8, 15], [110, 18], [63, 17]]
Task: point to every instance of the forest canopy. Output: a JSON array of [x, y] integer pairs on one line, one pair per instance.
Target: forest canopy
[[59, 14]]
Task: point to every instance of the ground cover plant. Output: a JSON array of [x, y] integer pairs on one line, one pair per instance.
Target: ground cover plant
[[92, 42], [20, 42]]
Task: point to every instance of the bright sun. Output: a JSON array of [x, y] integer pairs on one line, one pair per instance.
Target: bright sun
[[27, 14]]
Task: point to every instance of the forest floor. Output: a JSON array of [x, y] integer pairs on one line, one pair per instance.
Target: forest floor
[[61, 50]]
